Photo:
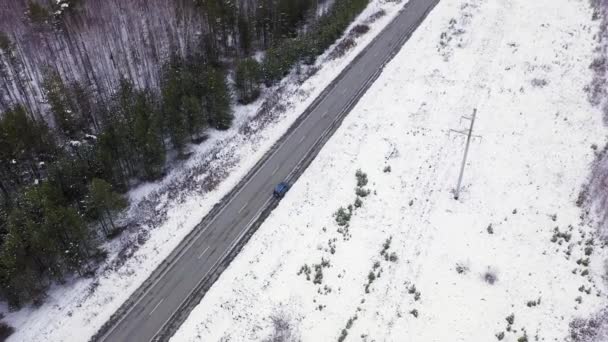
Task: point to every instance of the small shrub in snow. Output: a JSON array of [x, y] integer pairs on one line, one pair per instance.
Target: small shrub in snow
[[282, 330], [393, 257], [342, 216], [462, 269], [361, 178], [387, 169], [557, 235], [324, 291], [362, 192], [359, 30], [586, 290], [318, 274], [371, 276], [358, 202], [510, 319], [412, 289], [523, 338], [332, 245], [350, 322], [342, 48], [583, 262], [490, 277], [343, 335], [306, 271], [490, 229], [539, 82], [385, 246], [377, 15], [500, 335], [414, 313], [533, 303]]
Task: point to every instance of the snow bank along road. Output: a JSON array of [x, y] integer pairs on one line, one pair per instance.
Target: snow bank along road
[[153, 311]]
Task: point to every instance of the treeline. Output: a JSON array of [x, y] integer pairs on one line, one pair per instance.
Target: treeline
[[281, 57], [284, 53], [61, 181]]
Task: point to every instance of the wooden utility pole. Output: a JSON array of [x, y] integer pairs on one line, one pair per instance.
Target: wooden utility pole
[[469, 133]]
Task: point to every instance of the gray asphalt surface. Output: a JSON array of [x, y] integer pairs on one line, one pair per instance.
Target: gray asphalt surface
[[196, 257]]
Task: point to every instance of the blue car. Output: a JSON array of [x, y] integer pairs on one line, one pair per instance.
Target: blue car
[[280, 190]]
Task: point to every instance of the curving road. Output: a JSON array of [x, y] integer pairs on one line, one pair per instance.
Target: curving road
[[157, 309]]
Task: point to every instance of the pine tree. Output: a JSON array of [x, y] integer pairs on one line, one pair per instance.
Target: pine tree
[[247, 78], [244, 28], [37, 13], [147, 137], [59, 231], [117, 147], [154, 151], [108, 154], [67, 117], [221, 17], [84, 106], [71, 237], [217, 100], [173, 89], [20, 277], [106, 203], [176, 126], [70, 175], [196, 117], [24, 145]]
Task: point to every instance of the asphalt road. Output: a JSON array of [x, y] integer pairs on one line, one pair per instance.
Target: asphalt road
[[197, 256]]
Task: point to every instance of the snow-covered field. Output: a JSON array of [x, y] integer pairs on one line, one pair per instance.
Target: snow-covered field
[[511, 260], [166, 211]]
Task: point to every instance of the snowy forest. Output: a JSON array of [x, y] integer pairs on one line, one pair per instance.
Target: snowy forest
[[96, 94]]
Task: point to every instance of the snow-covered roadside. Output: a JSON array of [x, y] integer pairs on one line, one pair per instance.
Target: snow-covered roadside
[[511, 260], [167, 211]]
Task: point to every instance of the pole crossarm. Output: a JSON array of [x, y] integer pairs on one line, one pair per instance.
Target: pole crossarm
[[469, 134]]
